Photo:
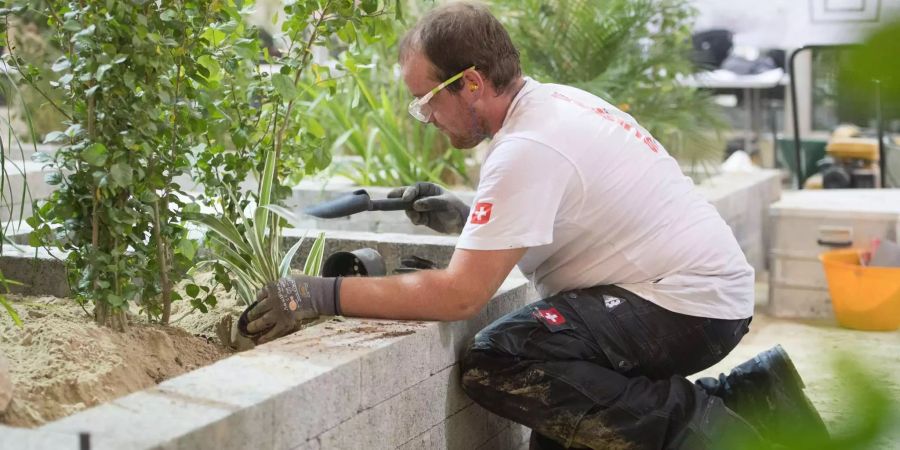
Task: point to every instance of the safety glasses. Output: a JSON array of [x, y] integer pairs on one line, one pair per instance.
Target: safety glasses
[[419, 107]]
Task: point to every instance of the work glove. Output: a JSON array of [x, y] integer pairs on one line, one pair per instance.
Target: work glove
[[282, 304], [434, 207]]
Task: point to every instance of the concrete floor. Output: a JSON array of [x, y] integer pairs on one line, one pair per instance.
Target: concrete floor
[[813, 346]]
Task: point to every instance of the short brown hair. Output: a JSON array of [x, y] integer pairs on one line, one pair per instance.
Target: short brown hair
[[460, 35]]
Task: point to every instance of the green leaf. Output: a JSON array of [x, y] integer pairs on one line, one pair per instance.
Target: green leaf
[[84, 33], [65, 79], [115, 300], [187, 247], [192, 290], [54, 137], [369, 6], [95, 154], [61, 64], [121, 174], [167, 15], [348, 32], [284, 86], [214, 36], [313, 264], [102, 71], [316, 128], [53, 179], [9, 310], [215, 70], [223, 228]]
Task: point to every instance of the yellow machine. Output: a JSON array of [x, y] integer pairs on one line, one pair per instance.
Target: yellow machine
[[851, 162]]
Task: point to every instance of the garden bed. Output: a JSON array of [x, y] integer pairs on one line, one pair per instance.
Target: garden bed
[[331, 385], [61, 362]]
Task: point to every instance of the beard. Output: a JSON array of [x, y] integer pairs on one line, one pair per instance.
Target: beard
[[477, 132]]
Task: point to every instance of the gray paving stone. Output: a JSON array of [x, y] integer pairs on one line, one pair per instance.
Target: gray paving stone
[[143, 420], [27, 439]]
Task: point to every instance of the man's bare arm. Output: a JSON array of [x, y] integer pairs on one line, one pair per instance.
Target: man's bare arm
[[455, 293]]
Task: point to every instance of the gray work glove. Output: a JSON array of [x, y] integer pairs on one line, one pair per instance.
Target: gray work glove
[[434, 207], [282, 304]]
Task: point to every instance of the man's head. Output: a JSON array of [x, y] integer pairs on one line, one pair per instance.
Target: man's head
[[450, 40]]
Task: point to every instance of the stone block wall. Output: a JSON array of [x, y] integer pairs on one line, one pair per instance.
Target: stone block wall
[[347, 384], [343, 384]]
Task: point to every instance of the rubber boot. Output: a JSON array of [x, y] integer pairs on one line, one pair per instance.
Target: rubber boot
[[767, 391]]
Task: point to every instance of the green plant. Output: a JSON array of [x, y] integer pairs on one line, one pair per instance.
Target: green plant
[[4, 302], [628, 52], [123, 78], [254, 257], [251, 111], [153, 91], [26, 102], [366, 119], [391, 150], [866, 63], [10, 89]]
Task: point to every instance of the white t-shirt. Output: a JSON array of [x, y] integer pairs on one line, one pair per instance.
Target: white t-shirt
[[596, 200]]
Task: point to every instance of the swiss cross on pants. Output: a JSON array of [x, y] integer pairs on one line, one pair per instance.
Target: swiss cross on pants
[[553, 317]]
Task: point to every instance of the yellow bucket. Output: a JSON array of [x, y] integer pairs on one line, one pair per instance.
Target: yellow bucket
[[863, 298]]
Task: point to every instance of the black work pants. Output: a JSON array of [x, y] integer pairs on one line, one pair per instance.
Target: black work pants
[[603, 368]]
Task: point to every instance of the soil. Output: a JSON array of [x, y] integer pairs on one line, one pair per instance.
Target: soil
[[211, 324], [61, 362]]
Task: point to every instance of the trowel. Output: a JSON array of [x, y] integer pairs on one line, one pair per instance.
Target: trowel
[[355, 202]]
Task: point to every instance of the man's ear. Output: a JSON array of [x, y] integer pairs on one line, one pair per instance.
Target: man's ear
[[473, 81]]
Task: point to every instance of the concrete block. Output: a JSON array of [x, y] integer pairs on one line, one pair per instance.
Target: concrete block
[[312, 444], [470, 428], [28, 439], [281, 385], [395, 368], [743, 199], [26, 173], [143, 420], [402, 417], [392, 247], [248, 427], [22, 151], [433, 438], [40, 272], [501, 441]]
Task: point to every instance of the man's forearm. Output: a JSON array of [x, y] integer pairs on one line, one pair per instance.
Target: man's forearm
[[424, 295]]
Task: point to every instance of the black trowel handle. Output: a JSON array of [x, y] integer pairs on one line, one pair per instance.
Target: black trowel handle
[[390, 204]]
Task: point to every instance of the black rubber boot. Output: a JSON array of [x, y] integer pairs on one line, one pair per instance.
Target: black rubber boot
[[767, 391]]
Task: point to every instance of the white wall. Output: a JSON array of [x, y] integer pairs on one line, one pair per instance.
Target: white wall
[[793, 23]]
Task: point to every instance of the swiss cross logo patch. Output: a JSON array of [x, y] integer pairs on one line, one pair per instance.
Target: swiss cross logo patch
[[481, 213], [551, 318]]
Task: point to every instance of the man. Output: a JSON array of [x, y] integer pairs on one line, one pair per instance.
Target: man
[[642, 281]]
